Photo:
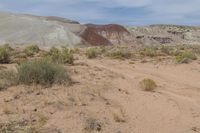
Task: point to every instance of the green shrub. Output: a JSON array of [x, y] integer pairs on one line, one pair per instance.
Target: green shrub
[[148, 84], [4, 55], [8, 78], [67, 56], [42, 72], [185, 57], [91, 53], [31, 50], [61, 57]]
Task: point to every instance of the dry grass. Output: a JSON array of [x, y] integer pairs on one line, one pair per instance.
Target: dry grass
[[91, 53], [118, 118], [148, 84], [185, 57], [8, 78]]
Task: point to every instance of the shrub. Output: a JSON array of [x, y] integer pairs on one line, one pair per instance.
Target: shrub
[[7, 46], [148, 84], [169, 50], [93, 125], [91, 53], [185, 57], [31, 50], [120, 54], [8, 78], [42, 72], [4, 55], [149, 51], [65, 56]]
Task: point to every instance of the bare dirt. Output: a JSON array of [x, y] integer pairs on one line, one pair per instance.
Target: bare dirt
[[106, 98]]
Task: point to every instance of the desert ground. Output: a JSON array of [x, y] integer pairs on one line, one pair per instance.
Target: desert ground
[[105, 97]]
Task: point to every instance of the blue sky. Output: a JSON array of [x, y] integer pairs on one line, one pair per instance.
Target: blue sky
[[127, 12]]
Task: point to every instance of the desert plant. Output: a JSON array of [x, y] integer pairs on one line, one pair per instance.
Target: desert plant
[[91, 53], [185, 57], [93, 125], [42, 72], [8, 78], [54, 54], [148, 84], [31, 50], [118, 118], [67, 56], [149, 51], [168, 50], [4, 55], [61, 56], [7, 46], [119, 54]]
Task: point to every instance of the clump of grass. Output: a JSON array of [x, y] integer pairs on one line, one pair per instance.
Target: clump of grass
[[118, 118], [42, 72], [67, 56], [148, 84], [91, 53], [4, 55], [169, 50], [149, 51], [31, 50], [93, 125], [61, 56], [119, 54], [7, 46], [8, 78], [185, 57]]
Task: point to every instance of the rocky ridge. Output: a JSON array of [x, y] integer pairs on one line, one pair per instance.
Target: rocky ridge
[[24, 29]]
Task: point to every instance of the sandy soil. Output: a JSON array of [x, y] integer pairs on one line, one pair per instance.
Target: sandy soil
[[106, 98]]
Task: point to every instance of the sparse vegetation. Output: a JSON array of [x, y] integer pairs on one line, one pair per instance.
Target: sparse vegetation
[[31, 50], [35, 72], [119, 54], [170, 50], [67, 56], [93, 125], [185, 57], [118, 118], [149, 51], [7, 46], [8, 78], [4, 55], [91, 53], [148, 84], [42, 72], [61, 57]]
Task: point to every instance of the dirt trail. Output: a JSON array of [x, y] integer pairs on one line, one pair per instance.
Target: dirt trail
[[173, 108]]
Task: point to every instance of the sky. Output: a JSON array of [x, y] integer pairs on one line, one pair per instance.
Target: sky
[[126, 12]]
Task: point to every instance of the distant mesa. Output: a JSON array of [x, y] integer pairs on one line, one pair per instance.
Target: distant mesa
[[24, 29]]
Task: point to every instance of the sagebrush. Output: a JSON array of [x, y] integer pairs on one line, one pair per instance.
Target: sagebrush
[[64, 56], [31, 50], [42, 72]]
